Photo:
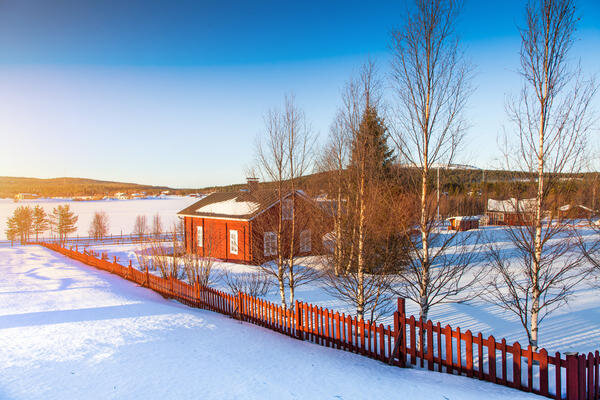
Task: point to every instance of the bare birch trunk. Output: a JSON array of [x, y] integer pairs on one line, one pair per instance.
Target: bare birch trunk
[[360, 265], [280, 262]]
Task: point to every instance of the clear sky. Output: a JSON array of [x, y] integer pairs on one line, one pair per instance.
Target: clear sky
[[173, 92]]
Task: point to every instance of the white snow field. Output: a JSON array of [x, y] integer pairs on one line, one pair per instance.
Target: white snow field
[[121, 213], [69, 331]]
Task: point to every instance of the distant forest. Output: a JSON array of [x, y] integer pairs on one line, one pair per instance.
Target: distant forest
[[68, 187], [463, 191]]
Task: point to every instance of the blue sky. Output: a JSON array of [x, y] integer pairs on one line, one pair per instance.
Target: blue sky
[[173, 93]]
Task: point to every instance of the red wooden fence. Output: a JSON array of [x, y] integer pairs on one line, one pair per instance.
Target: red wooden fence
[[409, 342]]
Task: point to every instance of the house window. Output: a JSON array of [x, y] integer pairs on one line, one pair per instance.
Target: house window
[[199, 236], [270, 243], [305, 241], [288, 209], [233, 242]]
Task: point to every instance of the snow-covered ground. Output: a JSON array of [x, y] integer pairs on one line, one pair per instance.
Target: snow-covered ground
[[121, 213], [69, 331], [574, 327]]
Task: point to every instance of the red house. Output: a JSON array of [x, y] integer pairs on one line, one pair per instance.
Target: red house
[[242, 226]]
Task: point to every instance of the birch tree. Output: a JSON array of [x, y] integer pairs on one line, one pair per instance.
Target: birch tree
[[431, 79], [99, 225], [552, 119], [284, 154]]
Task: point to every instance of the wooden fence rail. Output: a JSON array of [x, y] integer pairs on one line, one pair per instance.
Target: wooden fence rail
[[408, 342]]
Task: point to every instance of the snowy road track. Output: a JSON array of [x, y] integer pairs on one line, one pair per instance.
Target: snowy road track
[[69, 331]]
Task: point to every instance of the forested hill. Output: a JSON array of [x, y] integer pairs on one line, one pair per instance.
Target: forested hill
[[56, 187]]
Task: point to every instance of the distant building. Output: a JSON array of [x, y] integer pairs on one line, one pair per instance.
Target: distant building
[[463, 223], [83, 198], [26, 196], [121, 196], [577, 211], [510, 212]]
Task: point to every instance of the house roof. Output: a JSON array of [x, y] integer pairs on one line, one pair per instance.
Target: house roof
[[242, 205], [511, 205], [568, 207], [466, 218]]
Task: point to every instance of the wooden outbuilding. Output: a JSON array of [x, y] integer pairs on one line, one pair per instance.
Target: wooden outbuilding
[[510, 212], [463, 223], [242, 226]]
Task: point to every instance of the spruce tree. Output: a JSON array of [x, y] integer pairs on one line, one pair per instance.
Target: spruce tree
[[40, 221], [372, 139], [23, 220], [64, 221], [11, 229]]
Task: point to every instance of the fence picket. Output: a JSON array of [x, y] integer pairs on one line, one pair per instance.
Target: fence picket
[[517, 365], [449, 353], [438, 327], [480, 355], [504, 360], [544, 372], [413, 346], [429, 345], [469, 352], [492, 359]]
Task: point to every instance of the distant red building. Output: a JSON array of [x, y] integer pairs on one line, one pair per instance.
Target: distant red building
[[242, 226], [510, 212], [463, 223]]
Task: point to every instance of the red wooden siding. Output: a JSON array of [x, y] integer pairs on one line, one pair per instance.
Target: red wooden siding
[[216, 238]]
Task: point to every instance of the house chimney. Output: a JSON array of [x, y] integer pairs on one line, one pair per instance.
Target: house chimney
[[252, 183]]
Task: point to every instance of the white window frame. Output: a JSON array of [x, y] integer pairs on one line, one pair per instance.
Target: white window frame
[[233, 241], [287, 209], [199, 236], [305, 241], [270, 243]]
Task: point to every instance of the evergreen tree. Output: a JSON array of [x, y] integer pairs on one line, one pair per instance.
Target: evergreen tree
[[40, 221], [371, 156], [23, 220], [64, 221], [372, 143], [11, 229]]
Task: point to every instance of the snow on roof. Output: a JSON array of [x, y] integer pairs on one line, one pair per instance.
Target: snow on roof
[[567, 207], [511, 205], [466, 218], [230, 207]]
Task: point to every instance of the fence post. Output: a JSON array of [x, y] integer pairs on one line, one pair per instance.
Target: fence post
[[130, 272], [402, 331], [239, 306], [298, 311], [572, 376], [147, 277]]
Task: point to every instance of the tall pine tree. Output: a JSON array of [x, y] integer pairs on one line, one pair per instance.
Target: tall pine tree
[[64, 221], [371, 142], [40, 221]]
